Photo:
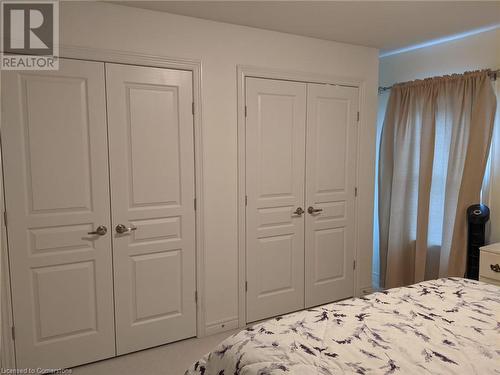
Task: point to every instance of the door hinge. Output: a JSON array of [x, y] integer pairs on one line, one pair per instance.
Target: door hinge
[[358, 117], [246, 200], [192, 107], [194, 203], [5, 219], [355, 191], [13, 331], [196, 296], [353, 264], [246, 111], [246, 286]]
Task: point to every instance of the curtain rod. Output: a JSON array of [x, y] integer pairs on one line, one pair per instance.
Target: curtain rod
[[493, 75]]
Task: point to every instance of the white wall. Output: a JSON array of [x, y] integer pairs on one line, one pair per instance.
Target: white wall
[[493, 198], [478, 51], [221, 47], [475, 52]]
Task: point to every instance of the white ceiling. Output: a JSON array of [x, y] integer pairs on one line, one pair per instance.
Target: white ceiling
[[387, 25]]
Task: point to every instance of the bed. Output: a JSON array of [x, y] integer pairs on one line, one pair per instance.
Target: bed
[[445, 326]]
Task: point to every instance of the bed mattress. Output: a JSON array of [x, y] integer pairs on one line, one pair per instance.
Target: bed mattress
[[445, 326]]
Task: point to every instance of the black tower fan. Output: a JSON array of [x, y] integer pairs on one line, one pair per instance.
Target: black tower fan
[[477, 217]]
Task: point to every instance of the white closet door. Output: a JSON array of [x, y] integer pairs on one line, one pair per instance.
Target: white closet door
[[57, 190], [152, 191], [330, 189], [275, 133]]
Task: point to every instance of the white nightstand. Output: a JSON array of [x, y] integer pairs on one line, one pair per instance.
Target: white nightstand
[[489, 264]]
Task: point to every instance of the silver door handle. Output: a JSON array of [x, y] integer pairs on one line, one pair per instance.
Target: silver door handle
[[313, 210], [101, 230], [299, 211], [120, 228]]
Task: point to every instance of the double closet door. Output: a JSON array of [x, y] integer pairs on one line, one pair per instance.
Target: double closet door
[[300, 191], [99, 189]]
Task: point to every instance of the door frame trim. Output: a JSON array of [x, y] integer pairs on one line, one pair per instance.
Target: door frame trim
[[137, 59], [244, 71], [7, 352]]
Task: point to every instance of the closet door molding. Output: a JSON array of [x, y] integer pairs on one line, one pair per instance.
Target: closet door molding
[[149, 60], [243, 72]]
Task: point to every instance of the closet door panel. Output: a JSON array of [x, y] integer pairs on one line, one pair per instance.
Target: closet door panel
[[330, 190], [152, 191], [275, 133], [57, 191]]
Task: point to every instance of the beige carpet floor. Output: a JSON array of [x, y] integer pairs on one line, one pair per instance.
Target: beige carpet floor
[[171, 359]]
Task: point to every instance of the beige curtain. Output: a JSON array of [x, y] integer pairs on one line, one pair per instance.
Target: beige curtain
[[433, 154]]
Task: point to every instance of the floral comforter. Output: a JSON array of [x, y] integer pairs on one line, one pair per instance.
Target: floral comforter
[[445, 326]]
